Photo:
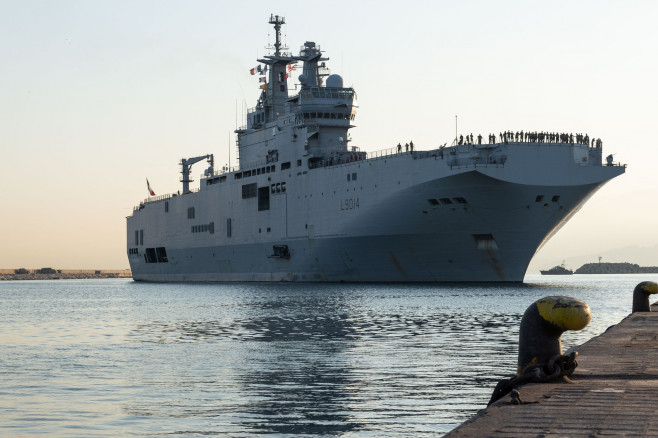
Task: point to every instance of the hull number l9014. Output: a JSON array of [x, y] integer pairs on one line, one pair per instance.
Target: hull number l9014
[[349, 203]]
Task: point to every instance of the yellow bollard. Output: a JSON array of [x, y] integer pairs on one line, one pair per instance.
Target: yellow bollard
[[542, 325], [540, 346]]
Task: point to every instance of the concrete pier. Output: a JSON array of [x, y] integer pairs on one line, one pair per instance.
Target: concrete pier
[[614, 392]]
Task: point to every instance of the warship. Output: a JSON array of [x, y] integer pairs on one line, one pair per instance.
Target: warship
[[304, 205]]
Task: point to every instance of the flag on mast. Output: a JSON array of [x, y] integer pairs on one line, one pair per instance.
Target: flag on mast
[[148, 186]]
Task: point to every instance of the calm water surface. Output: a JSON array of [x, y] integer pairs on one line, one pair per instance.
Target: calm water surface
[[118, 358]]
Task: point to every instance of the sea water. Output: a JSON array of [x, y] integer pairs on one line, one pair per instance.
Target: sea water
[[93, 358]]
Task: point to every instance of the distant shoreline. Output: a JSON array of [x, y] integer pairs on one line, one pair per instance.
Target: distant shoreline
[[603, 268], [62, 274], [615, 268]]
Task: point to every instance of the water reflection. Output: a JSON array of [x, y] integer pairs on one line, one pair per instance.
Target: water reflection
[[303, 380], [324, 359], [293, 375], [247, 360]]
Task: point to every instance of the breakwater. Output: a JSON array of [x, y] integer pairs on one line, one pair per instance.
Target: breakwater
[[615, 268], [61, 274]]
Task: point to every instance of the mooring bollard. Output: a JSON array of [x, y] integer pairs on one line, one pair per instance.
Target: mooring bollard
[[540, 345], [641, 296], [542, 326]]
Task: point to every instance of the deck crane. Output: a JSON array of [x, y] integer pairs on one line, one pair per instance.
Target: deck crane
[[186, 165]]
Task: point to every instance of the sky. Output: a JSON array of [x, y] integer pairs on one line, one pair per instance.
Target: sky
[[97, 96]]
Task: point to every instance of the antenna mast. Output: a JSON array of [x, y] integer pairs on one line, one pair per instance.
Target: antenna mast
[[277, 22]]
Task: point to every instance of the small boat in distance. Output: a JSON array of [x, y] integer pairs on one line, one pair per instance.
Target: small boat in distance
[[557, 270]]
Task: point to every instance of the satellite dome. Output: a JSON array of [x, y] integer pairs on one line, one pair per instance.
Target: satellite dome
[[335, 81], [302, 79]]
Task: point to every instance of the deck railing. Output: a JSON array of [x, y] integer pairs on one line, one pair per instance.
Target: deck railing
[[449, 153]]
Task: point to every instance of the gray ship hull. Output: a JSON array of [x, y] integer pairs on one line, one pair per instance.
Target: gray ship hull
[[480, 241]]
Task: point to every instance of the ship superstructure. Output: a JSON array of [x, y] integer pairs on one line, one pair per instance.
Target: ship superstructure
[[305, 205]]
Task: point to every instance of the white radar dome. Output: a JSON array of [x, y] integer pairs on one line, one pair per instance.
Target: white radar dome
[[335, 81]]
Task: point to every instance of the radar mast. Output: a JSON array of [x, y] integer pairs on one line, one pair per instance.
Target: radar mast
[[277, 22]]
